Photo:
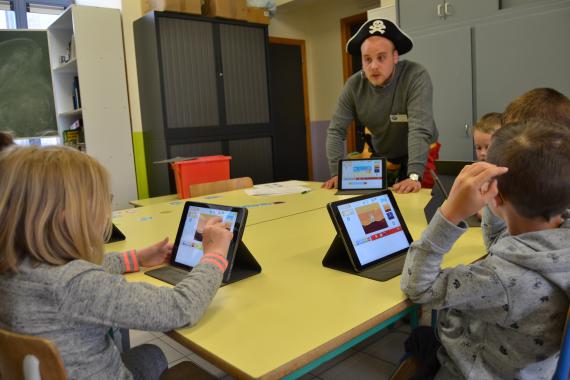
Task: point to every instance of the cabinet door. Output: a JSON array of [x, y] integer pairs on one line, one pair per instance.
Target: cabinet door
[[244, 62], [252, 158], [460, 10], [420, 13], [287, 102], [517, 55], [447, 57], [188, 66]]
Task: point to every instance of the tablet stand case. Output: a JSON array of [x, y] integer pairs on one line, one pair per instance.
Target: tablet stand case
[[244, 266], [337, 258], [116, 235]]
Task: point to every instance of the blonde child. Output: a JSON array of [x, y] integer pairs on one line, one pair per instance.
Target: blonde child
[[483, 131], [55, 281], [503, 316]]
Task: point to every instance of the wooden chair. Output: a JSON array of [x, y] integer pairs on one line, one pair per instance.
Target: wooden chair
[[220, 186], [24, 357]]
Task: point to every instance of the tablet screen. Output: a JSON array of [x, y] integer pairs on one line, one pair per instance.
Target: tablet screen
[[374, 226], [189, 249], [362, 174]]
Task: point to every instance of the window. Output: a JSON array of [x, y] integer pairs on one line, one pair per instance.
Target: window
[[41, 16], [30, 14], [7, 16]]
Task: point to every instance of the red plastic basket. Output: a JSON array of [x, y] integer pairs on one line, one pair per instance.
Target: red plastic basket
[[200, 170]]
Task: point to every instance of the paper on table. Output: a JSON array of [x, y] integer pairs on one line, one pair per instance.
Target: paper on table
[[279, 188]]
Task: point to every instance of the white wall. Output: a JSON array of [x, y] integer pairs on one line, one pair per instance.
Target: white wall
[[132, 10]]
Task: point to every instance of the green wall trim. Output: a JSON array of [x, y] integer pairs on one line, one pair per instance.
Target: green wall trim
[[140, 165]]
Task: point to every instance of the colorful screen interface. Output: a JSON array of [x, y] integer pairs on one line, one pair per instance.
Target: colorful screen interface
[[373, 228], [362, 174], [190, 249]]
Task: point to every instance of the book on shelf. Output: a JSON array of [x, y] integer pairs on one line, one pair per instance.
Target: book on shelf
[[76, 95], [74, 136]]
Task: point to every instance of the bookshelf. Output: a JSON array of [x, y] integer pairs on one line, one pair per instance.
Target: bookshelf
[[94, 71]]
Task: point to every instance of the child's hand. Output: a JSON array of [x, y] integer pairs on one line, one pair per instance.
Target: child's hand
[[474, 187], [155, 254], [216, 237]]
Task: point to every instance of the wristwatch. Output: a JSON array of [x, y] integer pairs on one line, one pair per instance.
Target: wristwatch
[[414, 177]]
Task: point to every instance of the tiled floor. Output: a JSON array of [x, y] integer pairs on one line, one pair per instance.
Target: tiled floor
[[375, 358]]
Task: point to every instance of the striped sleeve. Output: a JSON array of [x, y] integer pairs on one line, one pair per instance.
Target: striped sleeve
[[121, 262], [216, 259]]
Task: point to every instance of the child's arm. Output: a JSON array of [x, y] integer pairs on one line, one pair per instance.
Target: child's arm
[[463, 287], [132, 260], [474, 286], [90, 295]]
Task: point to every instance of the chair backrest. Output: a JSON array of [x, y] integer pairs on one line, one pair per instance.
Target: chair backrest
[[14, 348], [220, 186], [563, 367]]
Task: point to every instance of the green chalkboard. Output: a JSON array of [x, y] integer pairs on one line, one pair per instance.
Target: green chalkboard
[[26, 95]]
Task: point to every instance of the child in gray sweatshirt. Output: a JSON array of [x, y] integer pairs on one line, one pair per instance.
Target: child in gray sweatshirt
[[502, 317], [55, 281]]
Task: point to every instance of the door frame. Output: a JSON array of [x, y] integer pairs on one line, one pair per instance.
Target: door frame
[[345, 24], [301, 44]]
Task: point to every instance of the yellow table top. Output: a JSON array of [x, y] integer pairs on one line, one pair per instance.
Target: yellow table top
[[157, 220], [296, 310], [153, 200]]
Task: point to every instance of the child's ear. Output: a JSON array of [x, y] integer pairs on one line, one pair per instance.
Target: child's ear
[[498, 201]]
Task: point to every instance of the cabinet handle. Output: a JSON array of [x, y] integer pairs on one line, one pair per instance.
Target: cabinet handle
[[467, 130], [446, 10], [439, 13], [220, 74]]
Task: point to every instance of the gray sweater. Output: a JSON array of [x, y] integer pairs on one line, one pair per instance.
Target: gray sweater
[[501, 317], [75, 304], [409, 93]]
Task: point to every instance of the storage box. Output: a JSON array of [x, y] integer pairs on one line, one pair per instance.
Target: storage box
[[199, 170], [258, 15], [234, 9], [185, 6]]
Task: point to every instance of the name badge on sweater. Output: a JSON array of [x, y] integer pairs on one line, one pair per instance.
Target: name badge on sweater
[[399, 118]]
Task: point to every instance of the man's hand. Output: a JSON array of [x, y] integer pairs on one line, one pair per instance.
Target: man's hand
[[407, 186], [216, 237], [155, 254], [331, 183], [473, 188]]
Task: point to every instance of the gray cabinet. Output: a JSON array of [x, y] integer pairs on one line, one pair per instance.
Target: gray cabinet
[[204, 90], [422, 13], [479, 66], [447, 57], [519, 54]]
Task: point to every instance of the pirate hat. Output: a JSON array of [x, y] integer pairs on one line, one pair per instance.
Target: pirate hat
[[383, 28]]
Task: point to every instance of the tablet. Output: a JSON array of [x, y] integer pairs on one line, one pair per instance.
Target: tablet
[[188, 250], [371, 228], [363, 175]]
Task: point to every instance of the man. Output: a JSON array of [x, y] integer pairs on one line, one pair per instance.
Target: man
[[393, 99]]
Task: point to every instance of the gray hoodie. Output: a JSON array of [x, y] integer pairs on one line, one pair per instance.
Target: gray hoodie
[[501, 317], [75, 304]]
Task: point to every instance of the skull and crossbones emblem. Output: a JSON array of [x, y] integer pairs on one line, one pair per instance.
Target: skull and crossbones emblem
[[377, 26]]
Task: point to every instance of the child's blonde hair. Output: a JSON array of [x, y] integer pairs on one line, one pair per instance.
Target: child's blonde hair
[[489, 123], [55, 206]]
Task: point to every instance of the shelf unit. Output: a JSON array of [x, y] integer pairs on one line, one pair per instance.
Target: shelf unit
[[98, 62]]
